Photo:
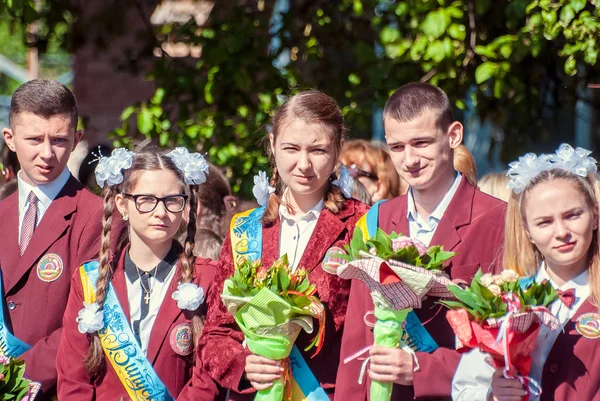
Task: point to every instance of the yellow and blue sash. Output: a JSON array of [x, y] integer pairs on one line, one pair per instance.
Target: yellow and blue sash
[[246, 242], [119, 344], [415, 335], [10, 346]]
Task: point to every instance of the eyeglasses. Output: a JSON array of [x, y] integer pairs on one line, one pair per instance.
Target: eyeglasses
[[356, 172], [147, 203]]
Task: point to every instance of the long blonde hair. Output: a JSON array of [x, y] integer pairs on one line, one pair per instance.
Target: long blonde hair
[[521, 255]]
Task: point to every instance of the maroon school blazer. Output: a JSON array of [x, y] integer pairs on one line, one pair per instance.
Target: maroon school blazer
[[173, 369], [36, 285], [473, 227], [222, 354]]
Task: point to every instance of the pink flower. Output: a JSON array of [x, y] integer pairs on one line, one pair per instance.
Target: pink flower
[[401, 243], [4, 360], [1, 376], [405, 242], [420, 247]]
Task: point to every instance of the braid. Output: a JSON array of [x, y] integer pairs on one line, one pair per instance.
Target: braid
[[94, 361], [272, 210], [334, 199], [188, 261]]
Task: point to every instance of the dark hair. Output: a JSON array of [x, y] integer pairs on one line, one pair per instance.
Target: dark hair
[[44, 98], [146, 160], [312, 107], [208, 244], [8, 188], [412, 100], [213, 195]]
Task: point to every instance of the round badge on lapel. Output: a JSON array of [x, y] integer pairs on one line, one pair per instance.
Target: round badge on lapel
[[588, 325], [332, 261], [50, 267], [181, 339]]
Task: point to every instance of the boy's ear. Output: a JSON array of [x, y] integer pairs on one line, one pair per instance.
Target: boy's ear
[[77, 138], [8, 138]]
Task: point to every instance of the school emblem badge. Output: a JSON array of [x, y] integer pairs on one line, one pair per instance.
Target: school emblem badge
[[50, 267], [588, 325], [332, 261], [181, 339]]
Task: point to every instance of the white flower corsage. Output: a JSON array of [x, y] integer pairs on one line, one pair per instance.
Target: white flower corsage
[[193, 165], [262, 190], [90, 319], [188, 296], [110, 169], [345, 182]]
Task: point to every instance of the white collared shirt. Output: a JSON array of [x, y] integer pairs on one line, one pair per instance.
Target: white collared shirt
[[296, 231], [424, 230], [160, 282], [44, 192], [473, 376]]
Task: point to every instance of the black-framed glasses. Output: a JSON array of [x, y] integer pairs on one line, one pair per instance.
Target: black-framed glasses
[[147, 203], [356, 172]]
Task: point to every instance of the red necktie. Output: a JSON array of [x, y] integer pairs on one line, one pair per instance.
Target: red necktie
[[567, 297], [29, 222]]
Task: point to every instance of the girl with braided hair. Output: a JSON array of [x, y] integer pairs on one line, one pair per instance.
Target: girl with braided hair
[[303, 215], [143, 304]]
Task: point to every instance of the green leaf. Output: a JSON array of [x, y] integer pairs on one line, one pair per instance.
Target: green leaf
[[127, 113], [578, 5], [457, 31], [571, 66], [144, 121], [435, 24], [566, 15], [485, 71]]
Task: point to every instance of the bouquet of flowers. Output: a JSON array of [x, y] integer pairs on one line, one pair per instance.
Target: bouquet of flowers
[[501, 315], [13, 384], [271, 306], [399, 272]]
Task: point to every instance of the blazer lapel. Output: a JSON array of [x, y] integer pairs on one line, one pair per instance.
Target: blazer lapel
[[399, 221], [328, 229], [53, 225], [568, 337], [167, 314], [457, 214], [270, 245], [119, 282], [10, 239]]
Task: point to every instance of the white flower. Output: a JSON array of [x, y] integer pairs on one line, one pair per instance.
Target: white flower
[[193, 166], [509, 276], [486, 279], [495, 289], [262, 190], [576, 161], [110, 169], [498, 279], [188, 296], [345, 182], [90, 319]]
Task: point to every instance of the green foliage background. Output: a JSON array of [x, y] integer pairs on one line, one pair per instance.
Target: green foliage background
[[514, 59]]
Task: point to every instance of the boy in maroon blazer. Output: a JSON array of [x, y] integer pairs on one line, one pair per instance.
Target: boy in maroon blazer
[[441, 208], [47, 229]]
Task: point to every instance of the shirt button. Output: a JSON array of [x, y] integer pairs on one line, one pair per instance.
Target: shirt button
[[554, 368], [12, 306]]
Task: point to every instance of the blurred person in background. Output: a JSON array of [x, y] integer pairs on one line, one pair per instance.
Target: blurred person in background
[[495, 184], [464, 163], [370, 163]]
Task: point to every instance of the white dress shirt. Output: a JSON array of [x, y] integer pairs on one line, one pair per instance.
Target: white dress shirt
[[44, 192], [296, 231], [424, 230], [142, 315], [473, 378]]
